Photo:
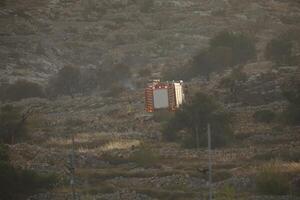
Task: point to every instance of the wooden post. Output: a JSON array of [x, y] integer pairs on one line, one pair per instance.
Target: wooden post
[[209, 161], [73, 169]]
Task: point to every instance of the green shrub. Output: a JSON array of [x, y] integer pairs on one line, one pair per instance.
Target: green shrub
[[286, 155], [114, 159], [13, 125], [226, 193], [227, 49], [241, 45], [280, 49], [144, 72], [146, 5], [2, 3], [271, 181], [162, 116], [115, 90], [4, 153], [17, 183], [65, 82], [145, 157], [291, 91], [221, 175], [264, 116]]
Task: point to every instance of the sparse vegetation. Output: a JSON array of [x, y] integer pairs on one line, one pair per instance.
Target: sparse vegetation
[[270, 180], [144, 72], [227, 193], [145, 157], [288, 155], [112, 49]]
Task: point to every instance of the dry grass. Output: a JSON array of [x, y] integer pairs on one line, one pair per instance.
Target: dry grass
[[274, 178], [93, 142], [120, 144]]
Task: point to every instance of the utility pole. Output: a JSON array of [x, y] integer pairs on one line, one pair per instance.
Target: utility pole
[[72, 182], [209, 161]]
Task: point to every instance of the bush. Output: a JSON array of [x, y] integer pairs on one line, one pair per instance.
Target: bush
[[146, 5], [189, 124], [226, 193], [162, 116], [264, 116], [13, 125], [241, 46], [280, 49], [227, 49], [22, 89], [18, 183], [115, 90], [65, 82], [286, 155], [2, 3], [145, 157], [291, 91], [4, 153], [144, 72], [271, 181]]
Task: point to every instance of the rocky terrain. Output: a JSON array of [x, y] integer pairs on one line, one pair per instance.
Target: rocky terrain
[[114, 134]]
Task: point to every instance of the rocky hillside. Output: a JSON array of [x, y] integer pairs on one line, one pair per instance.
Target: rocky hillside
[[38, 37]]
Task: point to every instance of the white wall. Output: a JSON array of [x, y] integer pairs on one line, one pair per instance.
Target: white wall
[[160, 98]]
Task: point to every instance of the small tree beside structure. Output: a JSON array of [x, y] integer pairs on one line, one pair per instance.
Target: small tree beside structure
[[190, 123]]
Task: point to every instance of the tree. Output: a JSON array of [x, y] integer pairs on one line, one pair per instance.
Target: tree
[[22, 89], [144, 72], [210, 60], [117, 75], [146, 5], [242, 46], [279, 50], [66, 81], [2, 3], [190, 123], [13, 124], [120, 72], [291, 91], [227, 49], [234, 81], [19, 184]]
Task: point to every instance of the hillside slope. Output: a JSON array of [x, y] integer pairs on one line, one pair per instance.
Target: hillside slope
[[39, 37]]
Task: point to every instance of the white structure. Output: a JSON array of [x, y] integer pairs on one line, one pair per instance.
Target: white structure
[[164, 95]]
